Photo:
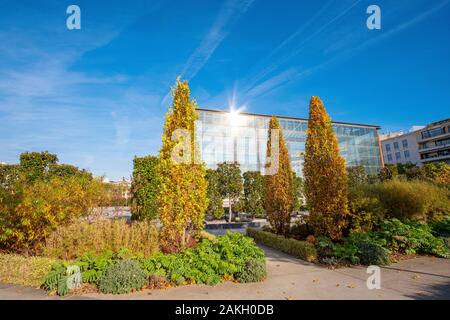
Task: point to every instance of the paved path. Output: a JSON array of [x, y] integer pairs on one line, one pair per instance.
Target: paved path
[[289, 278]]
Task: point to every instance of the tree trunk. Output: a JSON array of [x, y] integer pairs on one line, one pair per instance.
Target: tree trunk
[[230, 212]]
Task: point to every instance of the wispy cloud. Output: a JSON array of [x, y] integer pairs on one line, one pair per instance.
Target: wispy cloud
[[95, 120], [230, 12], [287, 55], [401, 27], [294, 73]]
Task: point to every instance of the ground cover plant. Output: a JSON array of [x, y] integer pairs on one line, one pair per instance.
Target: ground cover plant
[[228, 257], [378, 247], [24, 270]]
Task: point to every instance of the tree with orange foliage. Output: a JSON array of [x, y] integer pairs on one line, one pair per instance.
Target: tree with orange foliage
[[325, 175], [279, 184]]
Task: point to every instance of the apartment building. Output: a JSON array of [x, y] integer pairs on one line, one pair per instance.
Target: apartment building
[[434, 142], [399, 147], [419, 146]]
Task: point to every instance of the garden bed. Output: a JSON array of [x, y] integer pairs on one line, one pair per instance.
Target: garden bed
[[231, 257], [394, 240]]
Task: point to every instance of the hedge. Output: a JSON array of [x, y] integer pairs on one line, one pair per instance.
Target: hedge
[[300, 249]]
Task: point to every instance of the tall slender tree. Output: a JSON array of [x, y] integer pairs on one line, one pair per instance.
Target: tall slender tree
[[279, 183], [182, 199], [230, 181], [325, 174]]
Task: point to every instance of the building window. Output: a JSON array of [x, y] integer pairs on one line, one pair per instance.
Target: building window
[[442, 142], [406, 154], [405, 143], [396, 145], [398, 156], [389, 157], [432, 133], [388, 147]]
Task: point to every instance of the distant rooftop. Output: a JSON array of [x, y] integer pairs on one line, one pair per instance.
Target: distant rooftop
[[394, 134], [436, 123]]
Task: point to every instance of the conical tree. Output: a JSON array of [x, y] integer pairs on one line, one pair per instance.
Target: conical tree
[[183, 190], [279, 180], [325, 174]]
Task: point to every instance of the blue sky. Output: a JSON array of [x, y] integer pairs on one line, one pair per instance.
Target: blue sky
[[97, 96]]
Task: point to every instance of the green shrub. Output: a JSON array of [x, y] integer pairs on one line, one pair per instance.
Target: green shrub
[[441, 228], [23, 270], [447, 242], [300, 249], [92, 269], [74, 240], [412, 199], [358, 248], [93, 266], [123, 277], [371, 253], [365, 211], [56, 279], [254, 271], [145, 188], [411, 237], [346, 252], [300, 231], [208, 263]]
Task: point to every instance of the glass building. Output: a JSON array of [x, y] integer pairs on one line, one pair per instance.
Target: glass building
[[242, 137]]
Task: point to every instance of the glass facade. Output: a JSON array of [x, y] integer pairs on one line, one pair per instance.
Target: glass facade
[[227, 137]]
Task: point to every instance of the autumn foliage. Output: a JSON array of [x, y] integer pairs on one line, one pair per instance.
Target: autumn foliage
[[325, 174], [279, 186], [182, 199]]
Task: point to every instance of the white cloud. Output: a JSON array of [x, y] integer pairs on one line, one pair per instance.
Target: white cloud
[[230, 12]]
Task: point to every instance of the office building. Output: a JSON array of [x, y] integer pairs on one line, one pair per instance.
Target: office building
[[242, 137]]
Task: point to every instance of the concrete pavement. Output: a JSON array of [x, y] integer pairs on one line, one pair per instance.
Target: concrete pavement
[[289, 278]]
